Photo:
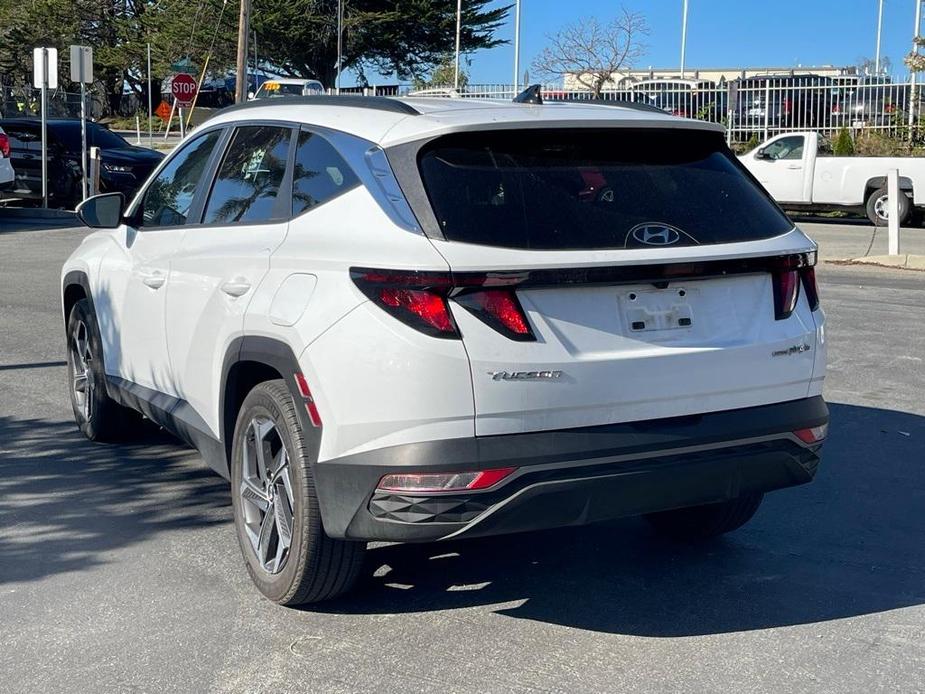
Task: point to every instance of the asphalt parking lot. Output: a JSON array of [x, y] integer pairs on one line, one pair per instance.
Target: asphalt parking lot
[[120, 572]]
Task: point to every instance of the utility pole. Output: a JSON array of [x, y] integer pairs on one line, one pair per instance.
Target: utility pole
[[241, 66], [340, 43], [517, 48], [458, 31], [879, 35], [683, 38]]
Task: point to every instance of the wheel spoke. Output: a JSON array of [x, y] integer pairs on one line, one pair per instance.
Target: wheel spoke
[[283, 521], [263, 538], [255, 495], [80, 383]]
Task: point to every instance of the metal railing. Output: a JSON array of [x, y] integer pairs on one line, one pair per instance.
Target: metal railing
[[759, 107]]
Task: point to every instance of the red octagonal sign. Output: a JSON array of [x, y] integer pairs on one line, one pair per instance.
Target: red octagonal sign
[[183, 89]]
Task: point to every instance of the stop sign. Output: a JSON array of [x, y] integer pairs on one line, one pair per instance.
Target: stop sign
[[183, 89]]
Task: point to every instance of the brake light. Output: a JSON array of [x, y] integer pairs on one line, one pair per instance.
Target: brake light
[[417, 299], [4, 145], [443, 481], [786, 292], [501, 310], [786, 272], [808, 275]]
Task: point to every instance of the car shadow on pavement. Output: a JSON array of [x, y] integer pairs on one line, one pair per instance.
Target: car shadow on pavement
[[66, 504], [851, 543]]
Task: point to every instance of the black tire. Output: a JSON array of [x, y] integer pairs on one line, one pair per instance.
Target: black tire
[[98, 416], [876, 204], [707, 521], [315, 567]]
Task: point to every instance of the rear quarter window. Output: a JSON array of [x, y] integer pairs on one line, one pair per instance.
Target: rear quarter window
[[590, 189]]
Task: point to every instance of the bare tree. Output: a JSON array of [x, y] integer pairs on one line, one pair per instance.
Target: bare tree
[[592, 52]]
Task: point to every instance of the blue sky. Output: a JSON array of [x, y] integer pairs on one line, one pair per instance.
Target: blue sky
[[722, 33]]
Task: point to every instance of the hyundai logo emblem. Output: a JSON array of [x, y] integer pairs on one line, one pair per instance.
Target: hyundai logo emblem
[[655, 234]]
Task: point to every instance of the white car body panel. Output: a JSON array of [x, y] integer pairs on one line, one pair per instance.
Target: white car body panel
[[378, 382]]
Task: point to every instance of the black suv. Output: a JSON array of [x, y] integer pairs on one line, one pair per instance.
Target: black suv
[[124, 166]]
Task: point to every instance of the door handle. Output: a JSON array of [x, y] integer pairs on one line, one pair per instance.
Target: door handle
[[236, 287], [795, 167], [154, 279]]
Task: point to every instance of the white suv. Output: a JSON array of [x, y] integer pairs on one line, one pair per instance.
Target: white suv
[[412, 320]]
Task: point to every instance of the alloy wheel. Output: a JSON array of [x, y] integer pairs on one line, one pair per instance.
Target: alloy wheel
[[266, 494], [82, 382]]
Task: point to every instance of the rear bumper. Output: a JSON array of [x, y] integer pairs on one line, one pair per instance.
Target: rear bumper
[[573, 476]]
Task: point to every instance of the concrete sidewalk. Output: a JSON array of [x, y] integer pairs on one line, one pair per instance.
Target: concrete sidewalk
[[860, 244]]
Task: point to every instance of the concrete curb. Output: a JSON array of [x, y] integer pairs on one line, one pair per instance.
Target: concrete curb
[[904, 261]]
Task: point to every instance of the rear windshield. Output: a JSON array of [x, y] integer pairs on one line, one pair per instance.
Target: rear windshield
[[584, 189]]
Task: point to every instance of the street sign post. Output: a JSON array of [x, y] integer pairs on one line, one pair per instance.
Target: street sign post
[[82, 72], [184, 88], [45, 75]]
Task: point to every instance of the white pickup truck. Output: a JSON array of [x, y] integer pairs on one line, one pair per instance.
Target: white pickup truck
[[800, 173]]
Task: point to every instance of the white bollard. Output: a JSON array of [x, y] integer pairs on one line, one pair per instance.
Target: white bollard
[[892, 186]]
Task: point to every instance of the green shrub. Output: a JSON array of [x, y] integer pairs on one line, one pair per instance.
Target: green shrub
[[843, 145]]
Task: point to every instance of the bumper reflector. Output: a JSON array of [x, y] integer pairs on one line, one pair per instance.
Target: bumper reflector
[[443, 481], [813, 434]]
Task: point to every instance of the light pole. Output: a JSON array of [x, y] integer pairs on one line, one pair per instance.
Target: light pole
[[683, 37], [517, 48], [458, 31], [879, 35], [340, 42]]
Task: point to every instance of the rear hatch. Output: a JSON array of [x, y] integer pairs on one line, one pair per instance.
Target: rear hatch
[[617, 275]]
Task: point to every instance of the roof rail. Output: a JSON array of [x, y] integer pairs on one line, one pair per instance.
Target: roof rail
[[376, 103], [634, 105]]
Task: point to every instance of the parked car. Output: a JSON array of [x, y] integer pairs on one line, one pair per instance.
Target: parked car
[[7, 175], [124, 167], [799, 171], [684, 98], [869, 102], [784, 101], [398, 320], [275, 88]]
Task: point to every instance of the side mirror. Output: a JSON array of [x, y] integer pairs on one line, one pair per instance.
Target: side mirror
[[762, 154], [102, 211], [250, 95]]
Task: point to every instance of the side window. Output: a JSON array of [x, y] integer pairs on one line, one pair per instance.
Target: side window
[[786, 148], [169, 197], [250, 175], [321, 174]]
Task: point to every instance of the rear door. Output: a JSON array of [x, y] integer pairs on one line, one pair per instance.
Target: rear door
[[26, 157], [616, 276], [223, 259]]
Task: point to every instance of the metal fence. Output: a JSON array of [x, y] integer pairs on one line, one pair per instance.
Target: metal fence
[[756, 107], [751, 108]]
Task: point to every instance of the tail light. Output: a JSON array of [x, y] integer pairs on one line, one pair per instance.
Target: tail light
[[420, 300], [500, 309], [4, 145], [787, 273], [808, 275], [444, 481]]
